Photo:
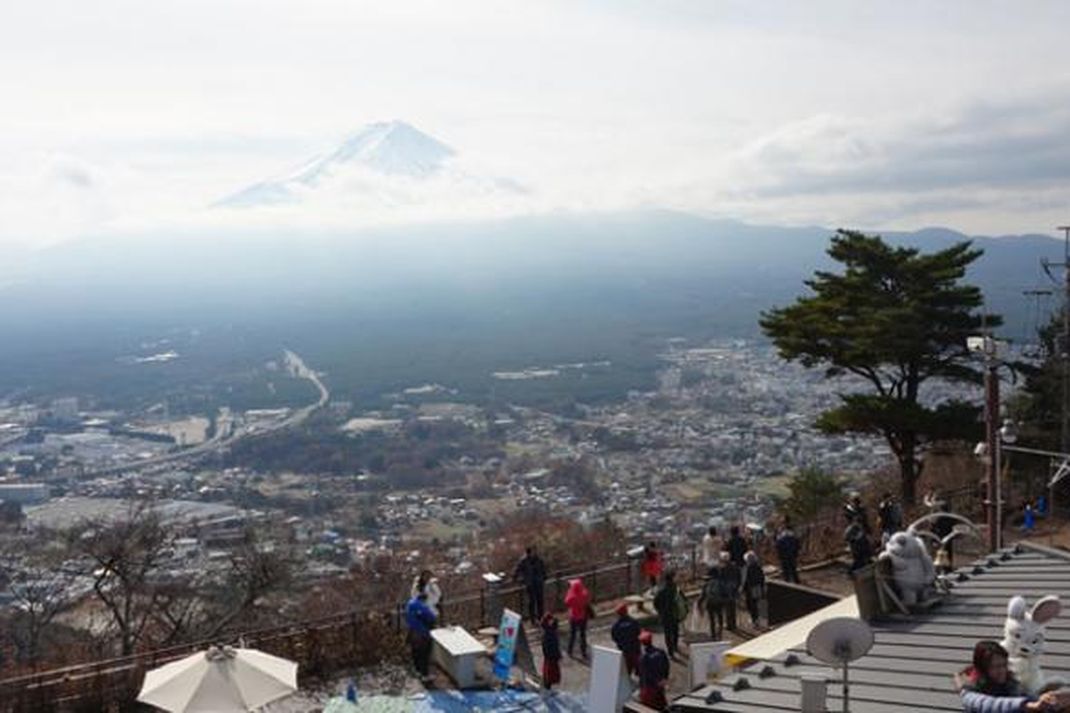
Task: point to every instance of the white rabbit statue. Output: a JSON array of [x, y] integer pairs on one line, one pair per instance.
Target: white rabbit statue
[[1023, 638], [912, 567]]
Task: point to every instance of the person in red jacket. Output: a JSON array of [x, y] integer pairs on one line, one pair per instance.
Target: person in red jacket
[[653, 563], [578, 601], [653, 674]]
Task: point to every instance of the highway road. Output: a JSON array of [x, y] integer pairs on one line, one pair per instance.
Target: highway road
[[226, 433]]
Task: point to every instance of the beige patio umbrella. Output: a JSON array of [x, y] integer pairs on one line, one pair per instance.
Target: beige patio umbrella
[[219, 680]]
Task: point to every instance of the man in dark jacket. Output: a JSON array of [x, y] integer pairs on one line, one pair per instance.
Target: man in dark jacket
[[420, 620], [736, 546], [944, 526], [855, 511], [787, 550], [653, 674], [861, 550], [625, 633], [889, 516], [711, 601], [731, 579], [666, 604], [532, 572]]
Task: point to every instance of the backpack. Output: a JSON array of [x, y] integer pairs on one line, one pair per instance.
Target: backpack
[[681, 606]]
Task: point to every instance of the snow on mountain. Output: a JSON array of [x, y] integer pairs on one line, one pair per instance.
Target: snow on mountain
[[384, 165]]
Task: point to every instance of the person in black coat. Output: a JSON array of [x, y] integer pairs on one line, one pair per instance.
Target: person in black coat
[[858, 542], [736, 546], [753, 586], [551, 651], [665, 603], [625, 634], [731, 579], [787, 551], [653, 674], [711, 600], [532, 572]]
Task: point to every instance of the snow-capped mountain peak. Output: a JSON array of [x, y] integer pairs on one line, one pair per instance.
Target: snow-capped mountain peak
[[390, 150], [393, 148]]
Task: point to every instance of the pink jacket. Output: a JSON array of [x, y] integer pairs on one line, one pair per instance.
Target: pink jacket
[[577, 599]]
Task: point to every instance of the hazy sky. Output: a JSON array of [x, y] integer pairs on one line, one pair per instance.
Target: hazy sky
[[135, 114]]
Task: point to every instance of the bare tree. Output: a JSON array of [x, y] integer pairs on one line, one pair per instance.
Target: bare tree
[[124, 559], [257, 568], [41, 589]]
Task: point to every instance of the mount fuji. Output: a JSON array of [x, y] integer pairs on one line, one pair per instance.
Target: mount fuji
[[387, 164]]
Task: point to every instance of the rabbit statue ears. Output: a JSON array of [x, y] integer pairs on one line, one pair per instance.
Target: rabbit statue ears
[[1046, 609]]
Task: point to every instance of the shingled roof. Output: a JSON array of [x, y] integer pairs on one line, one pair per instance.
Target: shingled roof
[[912, 662]]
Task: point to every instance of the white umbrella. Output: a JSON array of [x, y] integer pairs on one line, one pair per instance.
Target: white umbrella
[[219, 680]]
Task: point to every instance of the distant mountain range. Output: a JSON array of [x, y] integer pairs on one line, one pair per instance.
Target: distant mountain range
[[388, 161]]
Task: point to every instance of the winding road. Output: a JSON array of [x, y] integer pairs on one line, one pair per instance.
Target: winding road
[[226, 434]]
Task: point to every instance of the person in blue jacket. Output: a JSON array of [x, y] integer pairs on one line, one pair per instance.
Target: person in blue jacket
[[989, 687], [420, 620]]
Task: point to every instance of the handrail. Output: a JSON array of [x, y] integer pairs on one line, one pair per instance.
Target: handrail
[[465, 597]]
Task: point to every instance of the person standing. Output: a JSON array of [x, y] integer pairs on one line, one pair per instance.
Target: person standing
[[667, 605], [625, 634], [653, 674], [652, 563], [787, 550], [944, 526], [711, 600], [889, 517], [854, 511], [532, 572], [578, 601], [551, 651], [420, 620], [428, 583], [731, 579], [858, 543], [753, 586], [737, 546], [1029, 519], [712, 545]]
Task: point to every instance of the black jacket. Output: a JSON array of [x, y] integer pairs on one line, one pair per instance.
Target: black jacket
[[653, 667], [665, 601], [531, 571], [787, 546], [737, 547], [625, 633], [551, 642]]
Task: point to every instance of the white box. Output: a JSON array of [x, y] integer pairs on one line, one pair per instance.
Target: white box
[[455, 651]]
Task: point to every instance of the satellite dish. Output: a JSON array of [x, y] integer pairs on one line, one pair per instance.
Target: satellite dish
[[840, 641]]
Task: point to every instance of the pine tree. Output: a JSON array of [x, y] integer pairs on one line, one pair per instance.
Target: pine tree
[[894, 318]]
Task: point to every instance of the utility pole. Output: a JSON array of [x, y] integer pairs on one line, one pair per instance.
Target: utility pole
[[992, 440], [1064, 337], [1065, 343]]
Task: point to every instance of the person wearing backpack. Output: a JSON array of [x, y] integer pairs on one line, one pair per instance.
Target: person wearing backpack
[[753, 585], [710, 599], [731, 578], [671, 606]]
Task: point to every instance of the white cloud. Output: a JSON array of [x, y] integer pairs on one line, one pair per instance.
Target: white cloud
[[832, 112]]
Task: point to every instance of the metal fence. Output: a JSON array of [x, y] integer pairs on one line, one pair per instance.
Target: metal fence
[[340, 642]]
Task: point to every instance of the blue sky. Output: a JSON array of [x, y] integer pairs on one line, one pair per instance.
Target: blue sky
[[130, 115]]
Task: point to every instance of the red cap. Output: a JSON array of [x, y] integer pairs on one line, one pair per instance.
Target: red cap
[[645, 637], [622, 608]]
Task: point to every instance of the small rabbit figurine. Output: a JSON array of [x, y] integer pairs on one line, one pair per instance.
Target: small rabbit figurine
[[1023, 638]]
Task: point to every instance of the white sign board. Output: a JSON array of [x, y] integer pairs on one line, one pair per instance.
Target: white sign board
[[706, 659], [610, 687]]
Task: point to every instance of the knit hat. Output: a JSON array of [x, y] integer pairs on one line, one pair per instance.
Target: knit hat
[[645, 637], [622, 609]]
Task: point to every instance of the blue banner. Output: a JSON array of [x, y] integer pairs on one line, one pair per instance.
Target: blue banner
[[508, 630]]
